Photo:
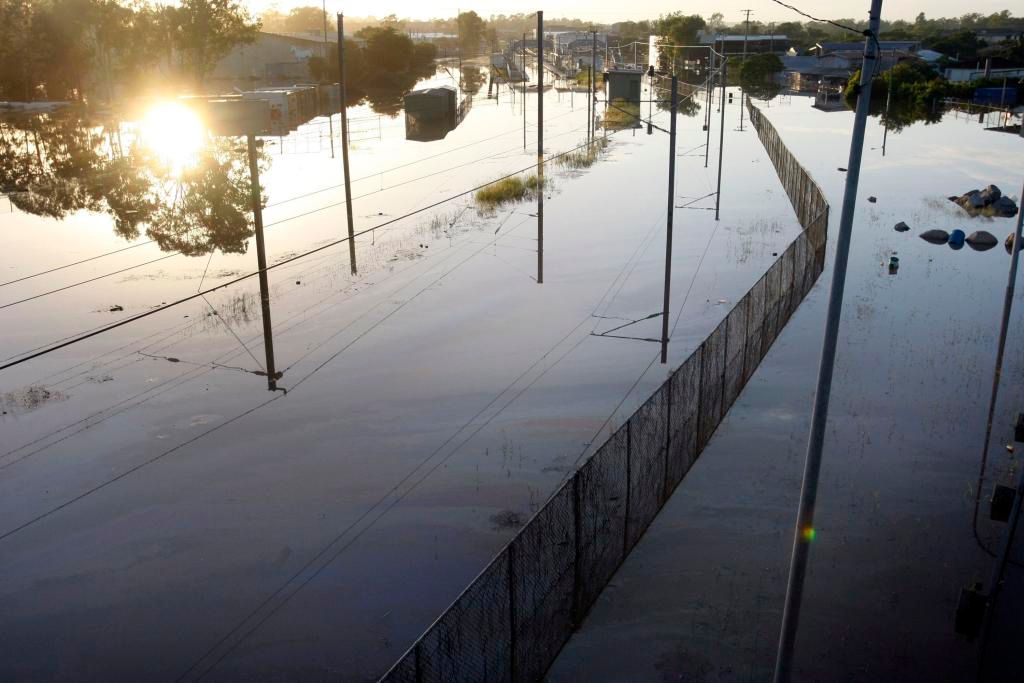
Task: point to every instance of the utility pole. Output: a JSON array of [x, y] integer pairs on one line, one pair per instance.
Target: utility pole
[[344, 141], [707, 107], [803, 534], [746, 32], [323, 57], [540, 147], [593, 83], [524, 90], [261, 260], [668, 224], [721, 132], [888, 102]]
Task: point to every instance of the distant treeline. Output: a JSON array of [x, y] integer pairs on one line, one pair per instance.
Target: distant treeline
[[74, 49]]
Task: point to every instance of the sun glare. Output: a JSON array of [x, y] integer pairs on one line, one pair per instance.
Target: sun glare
[[174, 133]]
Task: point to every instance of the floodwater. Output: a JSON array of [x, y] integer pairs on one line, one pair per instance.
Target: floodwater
[[701, 596], [166, 516]]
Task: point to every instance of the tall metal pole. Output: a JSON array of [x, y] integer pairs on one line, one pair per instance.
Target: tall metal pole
[[589, 120], [524, 90], [746, 32], [888, 102], [323, 57], [261, 261], [707, 107], [668, 224], [344, 141], [803, 534], [721, 132], [540, 147], [593, 84]]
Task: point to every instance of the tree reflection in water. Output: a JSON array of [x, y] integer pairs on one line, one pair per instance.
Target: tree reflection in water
[[57, 165]]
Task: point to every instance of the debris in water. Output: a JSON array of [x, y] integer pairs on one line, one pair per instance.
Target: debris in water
[[901, 227], [980, 240], [115, 308], [298, 282], [841, 169], [30, 397], [935, 236], [988, 202], [872, 199], [507, 519]]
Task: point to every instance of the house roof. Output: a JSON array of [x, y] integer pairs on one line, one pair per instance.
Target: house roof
[[883, 45], [707, 39], [930, 55]]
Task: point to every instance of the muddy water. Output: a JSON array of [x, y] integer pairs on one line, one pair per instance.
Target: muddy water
[[169, 516], [701, 596]]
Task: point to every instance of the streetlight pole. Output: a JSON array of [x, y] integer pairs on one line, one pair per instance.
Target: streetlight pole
[[803, 534]]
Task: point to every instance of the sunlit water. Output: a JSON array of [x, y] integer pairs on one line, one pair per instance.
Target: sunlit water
[[166, 514]]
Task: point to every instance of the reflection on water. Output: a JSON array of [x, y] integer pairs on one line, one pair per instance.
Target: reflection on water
[[163, 178]]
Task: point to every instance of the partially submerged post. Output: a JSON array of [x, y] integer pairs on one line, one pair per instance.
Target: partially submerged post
[[710, 83], [668, 224], [250, 118], [540, 147], [721, 133], [344, 142], [261, 260], [524, 90], [593, 84]]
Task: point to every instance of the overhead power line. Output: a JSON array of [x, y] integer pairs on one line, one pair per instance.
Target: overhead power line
[[191, 297]]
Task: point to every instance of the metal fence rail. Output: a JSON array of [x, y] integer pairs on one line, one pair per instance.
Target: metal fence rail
[[511, 622]]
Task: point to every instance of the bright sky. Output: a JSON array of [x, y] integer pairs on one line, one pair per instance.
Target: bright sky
[[607, 11]]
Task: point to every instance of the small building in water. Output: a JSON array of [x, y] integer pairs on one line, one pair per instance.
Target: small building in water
[[624, 84], [431, 113]]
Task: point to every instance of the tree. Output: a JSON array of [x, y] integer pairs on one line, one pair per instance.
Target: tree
[[204, 31], [304, 20], [471, 31], [759, 68]]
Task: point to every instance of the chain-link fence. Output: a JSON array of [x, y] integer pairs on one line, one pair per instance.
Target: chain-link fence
[[511, 622]]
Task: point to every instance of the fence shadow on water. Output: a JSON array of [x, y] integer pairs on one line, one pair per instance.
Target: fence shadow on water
[[511, 622]]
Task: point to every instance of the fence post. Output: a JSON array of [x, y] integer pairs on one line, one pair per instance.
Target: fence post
[[512, 609], [668, 436], [629, 477], [577, 573]]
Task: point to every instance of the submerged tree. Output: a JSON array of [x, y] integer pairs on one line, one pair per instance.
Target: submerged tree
[[57, 166]]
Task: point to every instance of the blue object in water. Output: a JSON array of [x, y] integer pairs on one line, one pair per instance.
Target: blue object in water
[[956, 238]]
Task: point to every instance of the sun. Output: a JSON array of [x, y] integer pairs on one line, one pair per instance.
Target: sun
[[174, 133]]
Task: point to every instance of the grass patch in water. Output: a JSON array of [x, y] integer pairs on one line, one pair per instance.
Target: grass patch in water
[[583, 158], [507, 190], [621, 115]]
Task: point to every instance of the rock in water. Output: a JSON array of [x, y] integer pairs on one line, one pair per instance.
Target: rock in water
[[901, 227], [935, 236], [1004, 207], [991, 194], [956, 238], [980, 240], [1009, 243], [872, 199]]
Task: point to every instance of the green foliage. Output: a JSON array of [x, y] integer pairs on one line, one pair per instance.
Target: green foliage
[[471, 32], [584, 158], [204, 31], [759, 68], [73, 49]]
